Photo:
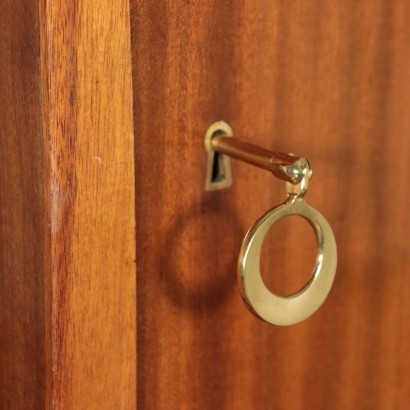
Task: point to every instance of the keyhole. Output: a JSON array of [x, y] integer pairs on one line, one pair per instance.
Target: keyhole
[[218, 170]]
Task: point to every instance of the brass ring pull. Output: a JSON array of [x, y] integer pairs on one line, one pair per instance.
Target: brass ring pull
[[296, 171], [279, 310]]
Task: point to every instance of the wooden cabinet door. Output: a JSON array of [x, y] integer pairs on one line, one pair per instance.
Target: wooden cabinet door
[[327, 80], [118, 270]]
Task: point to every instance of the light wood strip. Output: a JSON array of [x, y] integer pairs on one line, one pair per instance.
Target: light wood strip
[[89, 157]]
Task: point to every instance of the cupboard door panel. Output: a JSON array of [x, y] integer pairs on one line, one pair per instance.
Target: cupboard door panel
[[323, 80]]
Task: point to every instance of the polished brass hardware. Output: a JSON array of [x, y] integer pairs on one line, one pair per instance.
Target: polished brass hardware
[[283, 166], [219, 174], [296, 171], [220, 144], [275, 309]]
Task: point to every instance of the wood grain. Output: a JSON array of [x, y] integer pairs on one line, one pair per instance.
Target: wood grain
[[327, 80], [67, 219], [22, 230], [89, 160]]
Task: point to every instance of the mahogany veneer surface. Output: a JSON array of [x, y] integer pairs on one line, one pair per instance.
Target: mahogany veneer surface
[[327, 80]]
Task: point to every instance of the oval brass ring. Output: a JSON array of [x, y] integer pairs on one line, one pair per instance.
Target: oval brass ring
[[280, 310]]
